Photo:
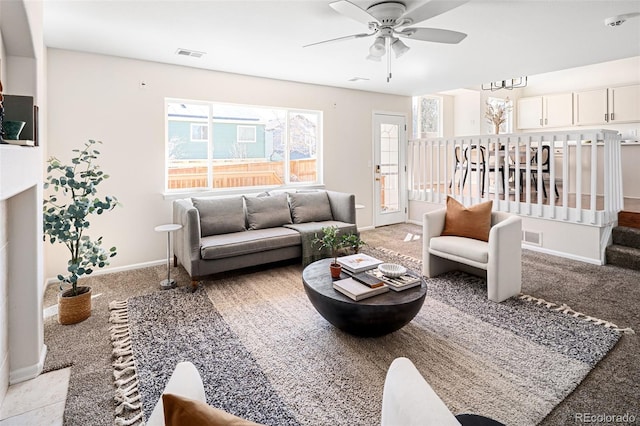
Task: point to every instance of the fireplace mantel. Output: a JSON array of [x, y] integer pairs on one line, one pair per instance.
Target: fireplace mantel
[[21, 172]]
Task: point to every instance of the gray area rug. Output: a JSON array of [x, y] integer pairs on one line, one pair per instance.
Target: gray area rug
[[256, 336]]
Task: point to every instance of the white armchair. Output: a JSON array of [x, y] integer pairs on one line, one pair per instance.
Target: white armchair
[[408, 400], [498, 260]]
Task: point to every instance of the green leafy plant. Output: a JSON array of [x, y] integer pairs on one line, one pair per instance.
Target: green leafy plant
[[67, 209], [330, 240], [352, 241]]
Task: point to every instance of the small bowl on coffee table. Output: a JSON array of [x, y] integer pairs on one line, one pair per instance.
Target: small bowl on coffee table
[[392, 270]]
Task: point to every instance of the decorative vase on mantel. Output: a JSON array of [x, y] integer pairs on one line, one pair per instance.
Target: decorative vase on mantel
[[497, 127]]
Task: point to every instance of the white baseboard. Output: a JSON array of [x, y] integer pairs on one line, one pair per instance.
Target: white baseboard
[[117, 269], [29, 372], [366, 228], [562, 254], [414, 222]]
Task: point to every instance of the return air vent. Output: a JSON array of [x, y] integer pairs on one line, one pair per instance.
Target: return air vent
[[532, 237], [187, 52]]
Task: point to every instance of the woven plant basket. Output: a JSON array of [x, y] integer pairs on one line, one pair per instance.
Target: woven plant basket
[[74, 309]]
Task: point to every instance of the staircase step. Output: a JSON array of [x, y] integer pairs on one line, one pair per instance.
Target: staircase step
[[625, 236], [629, 219], [625, 257]]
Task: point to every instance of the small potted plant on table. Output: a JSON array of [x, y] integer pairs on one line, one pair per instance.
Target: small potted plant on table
[[353, 242], [66, 221], [332, 242]]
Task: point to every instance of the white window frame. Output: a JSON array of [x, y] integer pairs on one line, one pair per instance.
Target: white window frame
[[417, 114], [238, 132], [200, 125], [175, 193]]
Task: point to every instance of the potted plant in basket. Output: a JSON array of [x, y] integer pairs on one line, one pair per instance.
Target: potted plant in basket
[[65, 220], [332, 242]]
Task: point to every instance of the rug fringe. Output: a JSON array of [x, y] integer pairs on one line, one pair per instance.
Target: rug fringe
[[127, 395], [565, 309]]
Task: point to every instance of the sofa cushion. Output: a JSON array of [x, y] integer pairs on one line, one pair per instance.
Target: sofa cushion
[[220, 215], [468, 248], [310, 207], [247, 242], [182, 411], [471, 222], [267, 212]]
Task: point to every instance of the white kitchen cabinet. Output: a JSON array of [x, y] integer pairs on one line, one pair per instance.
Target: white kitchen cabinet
[[624, 104], [590, 107], [530, 113], [558, 110], [545, 111]]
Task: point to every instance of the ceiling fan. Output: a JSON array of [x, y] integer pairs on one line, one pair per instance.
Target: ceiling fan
[[388, 21]]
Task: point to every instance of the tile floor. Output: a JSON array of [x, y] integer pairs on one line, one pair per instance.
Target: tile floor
[[39, 401]]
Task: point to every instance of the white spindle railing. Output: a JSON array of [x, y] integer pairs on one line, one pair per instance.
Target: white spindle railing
[[573, 161]]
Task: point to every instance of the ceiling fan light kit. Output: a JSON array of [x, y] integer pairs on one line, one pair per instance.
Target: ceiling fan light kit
[[385, 20]]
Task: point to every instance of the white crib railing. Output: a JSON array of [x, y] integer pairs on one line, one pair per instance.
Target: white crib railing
[[585, 164]]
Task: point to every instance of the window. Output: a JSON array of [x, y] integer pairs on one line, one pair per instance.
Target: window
[[246, 134], [499, 111], [199, 132], [427, 116], [226, 146]]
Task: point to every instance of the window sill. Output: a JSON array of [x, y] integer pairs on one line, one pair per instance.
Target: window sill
[[233, 191]]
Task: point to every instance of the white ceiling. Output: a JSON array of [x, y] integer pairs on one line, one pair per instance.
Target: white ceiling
[[265, 38]]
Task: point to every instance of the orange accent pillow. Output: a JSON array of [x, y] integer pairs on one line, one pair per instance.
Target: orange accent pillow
[[181, 411], [471, 222]]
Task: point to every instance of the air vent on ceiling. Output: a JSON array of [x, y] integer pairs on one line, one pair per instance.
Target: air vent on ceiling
[[358, 79], [187, 52]]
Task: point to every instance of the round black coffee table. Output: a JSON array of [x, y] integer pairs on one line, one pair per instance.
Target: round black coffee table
[[371, 317]]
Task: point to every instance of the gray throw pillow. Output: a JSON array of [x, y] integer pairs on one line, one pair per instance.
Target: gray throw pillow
[[267, 212], [220, 215], [310, 207]]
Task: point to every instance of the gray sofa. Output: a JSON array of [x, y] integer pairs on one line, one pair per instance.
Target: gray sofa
[[222, 234]]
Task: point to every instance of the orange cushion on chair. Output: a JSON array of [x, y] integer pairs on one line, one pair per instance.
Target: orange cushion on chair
[[471, 222], [181, 411]]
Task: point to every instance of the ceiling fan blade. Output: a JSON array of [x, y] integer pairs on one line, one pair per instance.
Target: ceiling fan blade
[[431, 9], [352, 11], [349, 37], [432, 34]]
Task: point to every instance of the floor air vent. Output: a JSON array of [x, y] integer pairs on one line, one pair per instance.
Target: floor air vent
[[532, 237]]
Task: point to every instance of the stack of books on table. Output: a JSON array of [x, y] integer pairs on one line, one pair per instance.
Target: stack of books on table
[[403, 282], [356, 290], [356, 263]]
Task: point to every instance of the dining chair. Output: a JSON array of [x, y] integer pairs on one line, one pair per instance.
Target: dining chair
[[481, 161], [518, 158], [545, 168], [459, 164]]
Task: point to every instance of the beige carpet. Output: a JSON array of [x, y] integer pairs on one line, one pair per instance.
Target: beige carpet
[[601, 291]]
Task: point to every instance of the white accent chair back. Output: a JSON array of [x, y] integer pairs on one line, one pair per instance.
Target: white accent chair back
[[499, 260]]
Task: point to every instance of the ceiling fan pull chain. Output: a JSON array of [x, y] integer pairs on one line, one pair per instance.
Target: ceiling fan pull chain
[[388, 43]]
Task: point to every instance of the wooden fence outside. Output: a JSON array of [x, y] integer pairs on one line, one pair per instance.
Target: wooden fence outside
[[188, 174]]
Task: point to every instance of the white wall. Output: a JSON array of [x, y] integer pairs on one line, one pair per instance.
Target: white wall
[[4, 301], [99, 97]]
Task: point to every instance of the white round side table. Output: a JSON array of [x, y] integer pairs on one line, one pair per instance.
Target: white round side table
[[169, 228]]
